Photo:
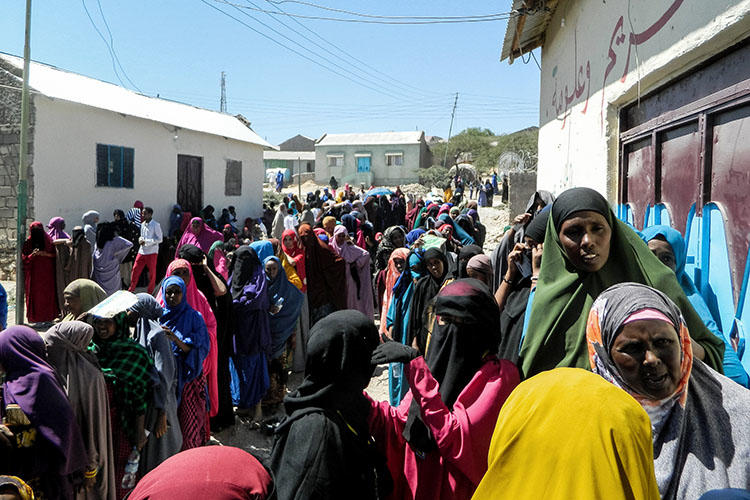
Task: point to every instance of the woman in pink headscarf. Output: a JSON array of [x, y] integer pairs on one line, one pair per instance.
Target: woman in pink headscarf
[[198, 301], [396, 264], [200, 235], [358, 280]]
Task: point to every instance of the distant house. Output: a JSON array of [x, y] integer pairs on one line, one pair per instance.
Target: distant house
[[97, 146], [295, 155], [382, 158]]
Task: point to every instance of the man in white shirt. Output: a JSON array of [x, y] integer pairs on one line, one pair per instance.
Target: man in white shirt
[[151, 237]]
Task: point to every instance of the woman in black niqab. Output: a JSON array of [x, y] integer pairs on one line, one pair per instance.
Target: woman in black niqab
[[323, 448], [458, 348], [425, 290]]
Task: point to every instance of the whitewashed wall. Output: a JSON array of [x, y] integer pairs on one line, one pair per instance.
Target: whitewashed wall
[[64, 166], [599, 56], [381, 173]]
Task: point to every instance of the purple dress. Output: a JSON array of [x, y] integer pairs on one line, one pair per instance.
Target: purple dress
[[107, 262]]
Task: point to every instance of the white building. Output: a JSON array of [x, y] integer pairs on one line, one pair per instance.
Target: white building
[[383, 158], [97, 146]]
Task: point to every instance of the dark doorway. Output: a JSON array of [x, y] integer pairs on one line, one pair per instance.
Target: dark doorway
[[190, 183]]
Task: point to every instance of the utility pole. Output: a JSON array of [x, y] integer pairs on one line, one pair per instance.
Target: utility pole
[[299, 178], [21, 192], [450, 129], [223, 103]]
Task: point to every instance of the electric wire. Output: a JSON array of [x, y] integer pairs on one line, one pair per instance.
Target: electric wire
[[350, 56], [111, 55], [342, 11], [295, 51], [112, 45], [324, 49], [502, 17]]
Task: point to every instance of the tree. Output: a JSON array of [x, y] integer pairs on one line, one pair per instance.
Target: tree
[[482, 148], [436, 175]]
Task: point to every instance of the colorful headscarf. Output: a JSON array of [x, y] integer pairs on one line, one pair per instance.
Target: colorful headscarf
[[198, 301], [203, 240], [701, 432], [413, 235], [189, 327], [607, 316], [596, 427], [391, 278], [297, 253], [263, 248], [31, 384], [88, 291], [284, 321], [207, 472], [556, 334], [56, 229]]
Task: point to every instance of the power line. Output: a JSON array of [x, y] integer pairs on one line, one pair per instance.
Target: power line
[[350, 56], [111, 54], [265, 35], [502, 17], [331, 9], [112, 46], [317, 45]]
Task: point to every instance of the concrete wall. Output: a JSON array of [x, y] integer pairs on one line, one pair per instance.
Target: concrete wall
[[10, 135], [65, 164], [521, 185], [293, 167], [380, 174], [599, 56]]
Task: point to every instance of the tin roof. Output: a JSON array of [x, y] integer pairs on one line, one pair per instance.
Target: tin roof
[[371, 139], [64, 85], [526, 29]]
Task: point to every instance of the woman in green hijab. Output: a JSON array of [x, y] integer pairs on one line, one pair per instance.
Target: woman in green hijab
[[587, 250], [80, 296]]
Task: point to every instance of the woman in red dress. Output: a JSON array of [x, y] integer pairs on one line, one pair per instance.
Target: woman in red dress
[[39, 275]]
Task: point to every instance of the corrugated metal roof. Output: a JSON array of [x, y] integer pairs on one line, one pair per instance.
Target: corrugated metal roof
[[525, 31], [372, 139], [289, 155], [60, 84]]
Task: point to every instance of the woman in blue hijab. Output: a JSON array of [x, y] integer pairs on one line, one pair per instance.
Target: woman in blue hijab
[[413, 235], [669, 246], [286, 303], [458, 231], [264, 249], [187, 331]]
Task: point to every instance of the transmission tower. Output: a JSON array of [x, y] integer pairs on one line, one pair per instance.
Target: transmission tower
[[223, 103]]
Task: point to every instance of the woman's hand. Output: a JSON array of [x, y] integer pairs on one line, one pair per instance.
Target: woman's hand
[[536, 259], [7, 438], [522, 219], [161, 424], [392, 352], [169, 333], [141, 440], [514, 258]]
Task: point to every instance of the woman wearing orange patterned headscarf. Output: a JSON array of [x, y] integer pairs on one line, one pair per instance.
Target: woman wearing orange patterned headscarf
[[638, 340]]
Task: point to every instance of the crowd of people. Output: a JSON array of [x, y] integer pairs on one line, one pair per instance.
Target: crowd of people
[[576, 360]]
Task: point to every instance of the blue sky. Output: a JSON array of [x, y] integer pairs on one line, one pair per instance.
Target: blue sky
[[178, 49]]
